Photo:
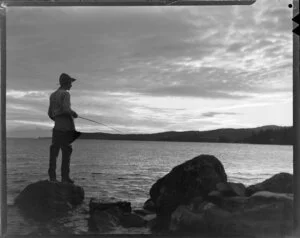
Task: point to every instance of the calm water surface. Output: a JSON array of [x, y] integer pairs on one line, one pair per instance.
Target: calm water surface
[[126, 170]]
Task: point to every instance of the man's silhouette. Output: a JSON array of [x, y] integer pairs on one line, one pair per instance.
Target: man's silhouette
[[64, 132]]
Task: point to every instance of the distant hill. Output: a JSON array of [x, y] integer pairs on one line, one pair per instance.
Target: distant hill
[[270, 134]]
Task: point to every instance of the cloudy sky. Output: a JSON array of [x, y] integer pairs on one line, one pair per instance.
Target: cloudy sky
[[152, 69]]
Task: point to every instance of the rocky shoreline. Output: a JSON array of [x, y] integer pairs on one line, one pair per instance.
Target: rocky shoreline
[[193, 198]]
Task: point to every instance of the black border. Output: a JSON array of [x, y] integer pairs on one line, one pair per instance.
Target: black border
[[124, 2]]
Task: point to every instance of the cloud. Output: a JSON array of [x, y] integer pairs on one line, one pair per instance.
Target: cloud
[[151, 68], [30, 95], [213, 114], [144, 54]]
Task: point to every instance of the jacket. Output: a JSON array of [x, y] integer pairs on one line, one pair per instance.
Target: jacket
[[60, 110]]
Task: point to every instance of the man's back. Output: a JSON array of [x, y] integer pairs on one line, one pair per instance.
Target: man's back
[[60, 110]]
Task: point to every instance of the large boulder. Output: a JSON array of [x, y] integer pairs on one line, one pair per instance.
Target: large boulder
[[279, 183], [45, 199], [200, 200], [193, 178], [105, 216]]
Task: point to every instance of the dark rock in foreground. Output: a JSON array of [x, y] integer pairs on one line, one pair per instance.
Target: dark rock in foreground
[[195, 197], [105, 216], [264, 213], [45, 199], [193, 178], [279, 183]]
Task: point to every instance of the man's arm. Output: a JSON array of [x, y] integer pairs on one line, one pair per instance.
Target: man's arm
[[50, 112], [67, 105]]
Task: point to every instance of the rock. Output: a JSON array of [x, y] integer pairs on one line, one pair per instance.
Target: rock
[[132, 220], [184, 220], [45, 199], [265, 197], [231, 189], [223, 223], [279, 183], [196, 203], [216, 218], [105, 215], [142, 212], [193, 178], [149, 217], [233, 204], [264, 213], [215, 197], [265, 219], [149, 205], [101, 205], [104, 220]]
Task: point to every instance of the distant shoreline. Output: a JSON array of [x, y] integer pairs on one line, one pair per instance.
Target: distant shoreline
[[269, 135]]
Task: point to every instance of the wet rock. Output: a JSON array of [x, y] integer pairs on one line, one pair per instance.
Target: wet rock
[[279, 183], [193, 178], [149, 217], [215, 197], [106, 216], [128, 220], [45, 199], [216, 218], [101, 205], [265, 197], [160, 224], [183, 219], [233, 204], [149, 205], [196, 203], [142, 212], [231, 189]]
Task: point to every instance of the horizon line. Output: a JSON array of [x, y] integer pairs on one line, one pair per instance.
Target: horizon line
[[142, 133]]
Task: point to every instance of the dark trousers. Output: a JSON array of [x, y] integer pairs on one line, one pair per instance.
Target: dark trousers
[[61, 140]]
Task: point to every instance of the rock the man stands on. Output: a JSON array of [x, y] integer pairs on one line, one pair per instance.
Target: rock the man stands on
[[64, 132]]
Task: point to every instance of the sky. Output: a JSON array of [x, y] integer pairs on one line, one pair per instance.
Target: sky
[[151, 69]]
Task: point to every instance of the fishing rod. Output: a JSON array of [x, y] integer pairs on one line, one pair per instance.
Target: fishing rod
[[99, 123]]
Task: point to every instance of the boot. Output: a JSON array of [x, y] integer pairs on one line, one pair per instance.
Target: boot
[[65, 166]]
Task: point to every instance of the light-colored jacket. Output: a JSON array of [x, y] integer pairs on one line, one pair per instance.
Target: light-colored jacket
[[60, 110]]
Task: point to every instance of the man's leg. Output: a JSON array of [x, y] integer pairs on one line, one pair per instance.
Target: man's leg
[[54, 151], [65, 166]]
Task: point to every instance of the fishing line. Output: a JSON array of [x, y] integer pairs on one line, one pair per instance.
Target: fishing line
[[100, 123]]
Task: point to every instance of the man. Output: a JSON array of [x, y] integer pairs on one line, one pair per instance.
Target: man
[[64, 132]]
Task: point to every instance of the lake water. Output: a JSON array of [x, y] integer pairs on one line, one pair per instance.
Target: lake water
[[126, 170]]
